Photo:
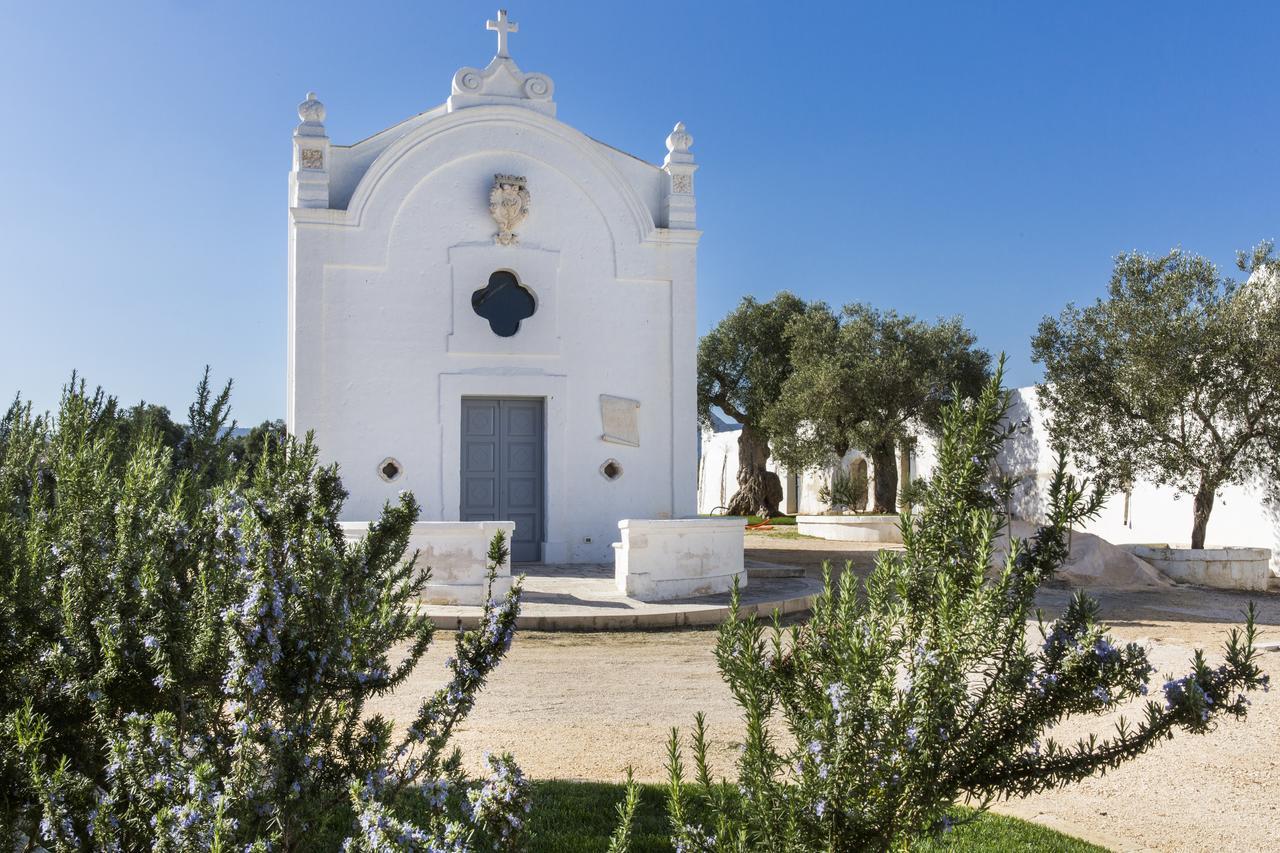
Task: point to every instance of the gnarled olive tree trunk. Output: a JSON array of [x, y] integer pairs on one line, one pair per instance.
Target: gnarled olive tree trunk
[[886, 478], [1201, 509], [759, 489]]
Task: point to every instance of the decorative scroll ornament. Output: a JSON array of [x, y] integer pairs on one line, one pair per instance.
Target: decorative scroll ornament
[[508, 205]]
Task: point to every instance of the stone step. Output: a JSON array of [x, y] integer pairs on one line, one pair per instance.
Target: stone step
[[1273, 584], [585, 598]]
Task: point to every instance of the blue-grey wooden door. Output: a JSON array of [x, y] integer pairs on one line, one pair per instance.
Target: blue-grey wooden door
[[502, 468]]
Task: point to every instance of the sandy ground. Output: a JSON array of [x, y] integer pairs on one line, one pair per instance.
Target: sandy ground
[[587, 706]]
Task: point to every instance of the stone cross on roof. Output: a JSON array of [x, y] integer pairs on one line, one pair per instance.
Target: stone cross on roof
[[503, 27], [502, 81]]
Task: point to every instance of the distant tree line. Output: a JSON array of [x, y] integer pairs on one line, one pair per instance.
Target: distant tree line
[[208, 424]]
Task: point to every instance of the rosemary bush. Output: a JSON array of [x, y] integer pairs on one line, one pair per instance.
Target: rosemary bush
[[921, 690], [186, 651]]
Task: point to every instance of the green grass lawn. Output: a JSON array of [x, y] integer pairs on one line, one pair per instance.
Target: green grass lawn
[[579, 817]]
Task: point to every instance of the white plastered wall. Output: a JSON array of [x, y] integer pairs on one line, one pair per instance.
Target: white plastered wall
[[383, 343]]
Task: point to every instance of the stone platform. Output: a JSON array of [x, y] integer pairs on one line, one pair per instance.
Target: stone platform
[[584, 598], [881, 529], [1223, 568]]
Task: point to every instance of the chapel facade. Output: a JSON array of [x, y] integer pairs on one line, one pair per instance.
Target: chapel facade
[[495, 311]]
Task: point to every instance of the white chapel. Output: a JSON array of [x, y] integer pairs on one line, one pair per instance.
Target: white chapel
[[496, 311]]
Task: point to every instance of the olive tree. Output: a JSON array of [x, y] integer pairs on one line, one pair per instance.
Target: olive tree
[[742, 365], [863, 379], [1174, 377]]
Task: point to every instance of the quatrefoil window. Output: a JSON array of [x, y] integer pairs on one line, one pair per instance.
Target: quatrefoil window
[[504, 302]]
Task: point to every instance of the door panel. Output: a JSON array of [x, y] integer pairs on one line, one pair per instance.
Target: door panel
[[502, 468]]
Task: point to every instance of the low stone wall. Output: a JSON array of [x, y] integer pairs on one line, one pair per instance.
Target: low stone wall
[[851, 528], [456, 552], [662, 559], [1224, 568]]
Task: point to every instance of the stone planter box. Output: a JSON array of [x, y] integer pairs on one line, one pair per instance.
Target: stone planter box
[[1223, 568], [851, 528], [456, 553], [662, 559]]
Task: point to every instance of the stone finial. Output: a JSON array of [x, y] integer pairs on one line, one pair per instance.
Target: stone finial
[[311, 109], [679, 208], [309, 182], [679, 141], [678, 144], [312, 113]]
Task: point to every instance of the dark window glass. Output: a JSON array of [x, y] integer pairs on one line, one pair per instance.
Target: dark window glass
[[504, 302]]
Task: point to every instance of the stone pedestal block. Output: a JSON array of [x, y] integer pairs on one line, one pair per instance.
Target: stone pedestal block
[[663, 559], [456, 553]]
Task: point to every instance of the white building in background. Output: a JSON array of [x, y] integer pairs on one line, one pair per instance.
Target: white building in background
[[494, 310], [1242, 515], [718, 473]]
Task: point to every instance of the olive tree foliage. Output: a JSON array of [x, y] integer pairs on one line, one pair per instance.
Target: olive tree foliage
[[248, 449], [1173, 378], [208, 425], [865, 379], [187, 651], [151, 417], [742, 365], [922, 690]]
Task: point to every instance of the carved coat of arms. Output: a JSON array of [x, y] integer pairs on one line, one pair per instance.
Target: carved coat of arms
[[509, 205]]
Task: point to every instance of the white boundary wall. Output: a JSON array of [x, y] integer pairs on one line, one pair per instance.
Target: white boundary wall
[[457, 554], [662, 559], [1242, 515]]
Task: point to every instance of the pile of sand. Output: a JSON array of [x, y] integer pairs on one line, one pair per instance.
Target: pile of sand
[[1094, 561]]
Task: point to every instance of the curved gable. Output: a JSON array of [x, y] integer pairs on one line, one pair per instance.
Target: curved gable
[[525, 133]]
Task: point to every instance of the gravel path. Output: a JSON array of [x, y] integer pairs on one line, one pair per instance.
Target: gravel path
[[587, 706]]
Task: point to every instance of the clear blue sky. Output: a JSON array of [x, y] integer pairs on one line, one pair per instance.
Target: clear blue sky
[[974, 158]]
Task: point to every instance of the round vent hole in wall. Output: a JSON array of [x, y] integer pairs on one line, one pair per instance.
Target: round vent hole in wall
[[611, 469], [389, 469]]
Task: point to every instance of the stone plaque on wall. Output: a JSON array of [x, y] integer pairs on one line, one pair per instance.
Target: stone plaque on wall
[[620, 420], [312, 158]]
